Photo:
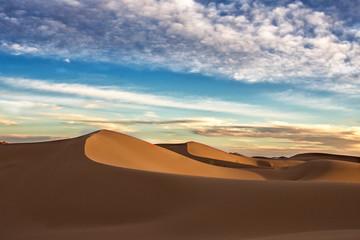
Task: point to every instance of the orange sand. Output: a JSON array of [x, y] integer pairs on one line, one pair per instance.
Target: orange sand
[[107, 185]]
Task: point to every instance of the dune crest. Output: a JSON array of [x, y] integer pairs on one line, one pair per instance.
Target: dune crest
[[122, 150], [202, 150], [205, 153], [324, 156]]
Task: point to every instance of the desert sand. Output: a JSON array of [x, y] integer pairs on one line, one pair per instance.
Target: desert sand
[[107, 185]]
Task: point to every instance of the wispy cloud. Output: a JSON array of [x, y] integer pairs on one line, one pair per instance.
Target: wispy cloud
[[151, 115], [70, 116], [22, 138], [28, 104], [85, 120], [7, 122], [112, 93], [27, 118], [102, 125], [185, 122], [243, 40], [18, 49], [292, 97], [294, 135], [18, 94], [343, 85], [126, 125]]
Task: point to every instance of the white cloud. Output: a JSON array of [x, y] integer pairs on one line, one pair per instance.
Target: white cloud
[[292, 97], [27, 104], [91, 106], [17, 49], [151, 115], [111, 93], [244, 40], [85, 120], [72, 116], [67, 60], [18, 95], [103, 125], [347, 87], [197, 123], [71, 2]]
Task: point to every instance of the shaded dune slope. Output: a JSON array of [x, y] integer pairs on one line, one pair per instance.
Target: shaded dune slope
[[322, 170], [207, 154], [325, 156], [316, 170], [218, 158], [53, 190]]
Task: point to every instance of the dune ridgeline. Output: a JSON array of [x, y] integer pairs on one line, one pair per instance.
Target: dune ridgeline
[[107, 185]]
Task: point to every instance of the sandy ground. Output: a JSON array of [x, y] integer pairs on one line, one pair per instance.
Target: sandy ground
[[108, 185]]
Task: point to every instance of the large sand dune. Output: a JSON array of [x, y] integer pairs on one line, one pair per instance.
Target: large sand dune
[[108, 185], [121, 150]]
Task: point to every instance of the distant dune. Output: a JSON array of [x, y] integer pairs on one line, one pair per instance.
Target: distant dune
[[317, 156], [207, 154], [107, 185]]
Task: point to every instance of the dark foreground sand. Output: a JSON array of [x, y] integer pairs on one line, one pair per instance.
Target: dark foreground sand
[[108, 185]]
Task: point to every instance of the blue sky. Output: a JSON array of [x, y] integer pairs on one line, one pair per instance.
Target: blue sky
[[255, 77]]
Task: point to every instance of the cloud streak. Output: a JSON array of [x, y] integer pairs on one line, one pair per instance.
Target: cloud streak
[[292, 97], [128, 125], [111, 93], [28, 104], [243, 40], [123, 125], [298, 136], [94, 121], [7, 122], [22, 138]]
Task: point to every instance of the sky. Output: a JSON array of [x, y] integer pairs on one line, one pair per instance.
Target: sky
[[266, 78]]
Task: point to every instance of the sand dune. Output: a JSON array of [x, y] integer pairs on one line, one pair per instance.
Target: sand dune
[[111, 186], [121, 150], [325, 156], [205, 153], [323, 170], [202, 152]]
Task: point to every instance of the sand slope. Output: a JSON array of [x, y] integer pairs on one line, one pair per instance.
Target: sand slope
[[54, 190], [321, 170], [121, 150], [317, 156], [205, 153]]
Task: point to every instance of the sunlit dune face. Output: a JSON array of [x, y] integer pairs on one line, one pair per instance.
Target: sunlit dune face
[[124, 151]]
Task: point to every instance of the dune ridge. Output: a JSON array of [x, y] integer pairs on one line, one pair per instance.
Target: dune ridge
[[108, 185], [205, 153], [121, 150], [324, 156], [316, 170]]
